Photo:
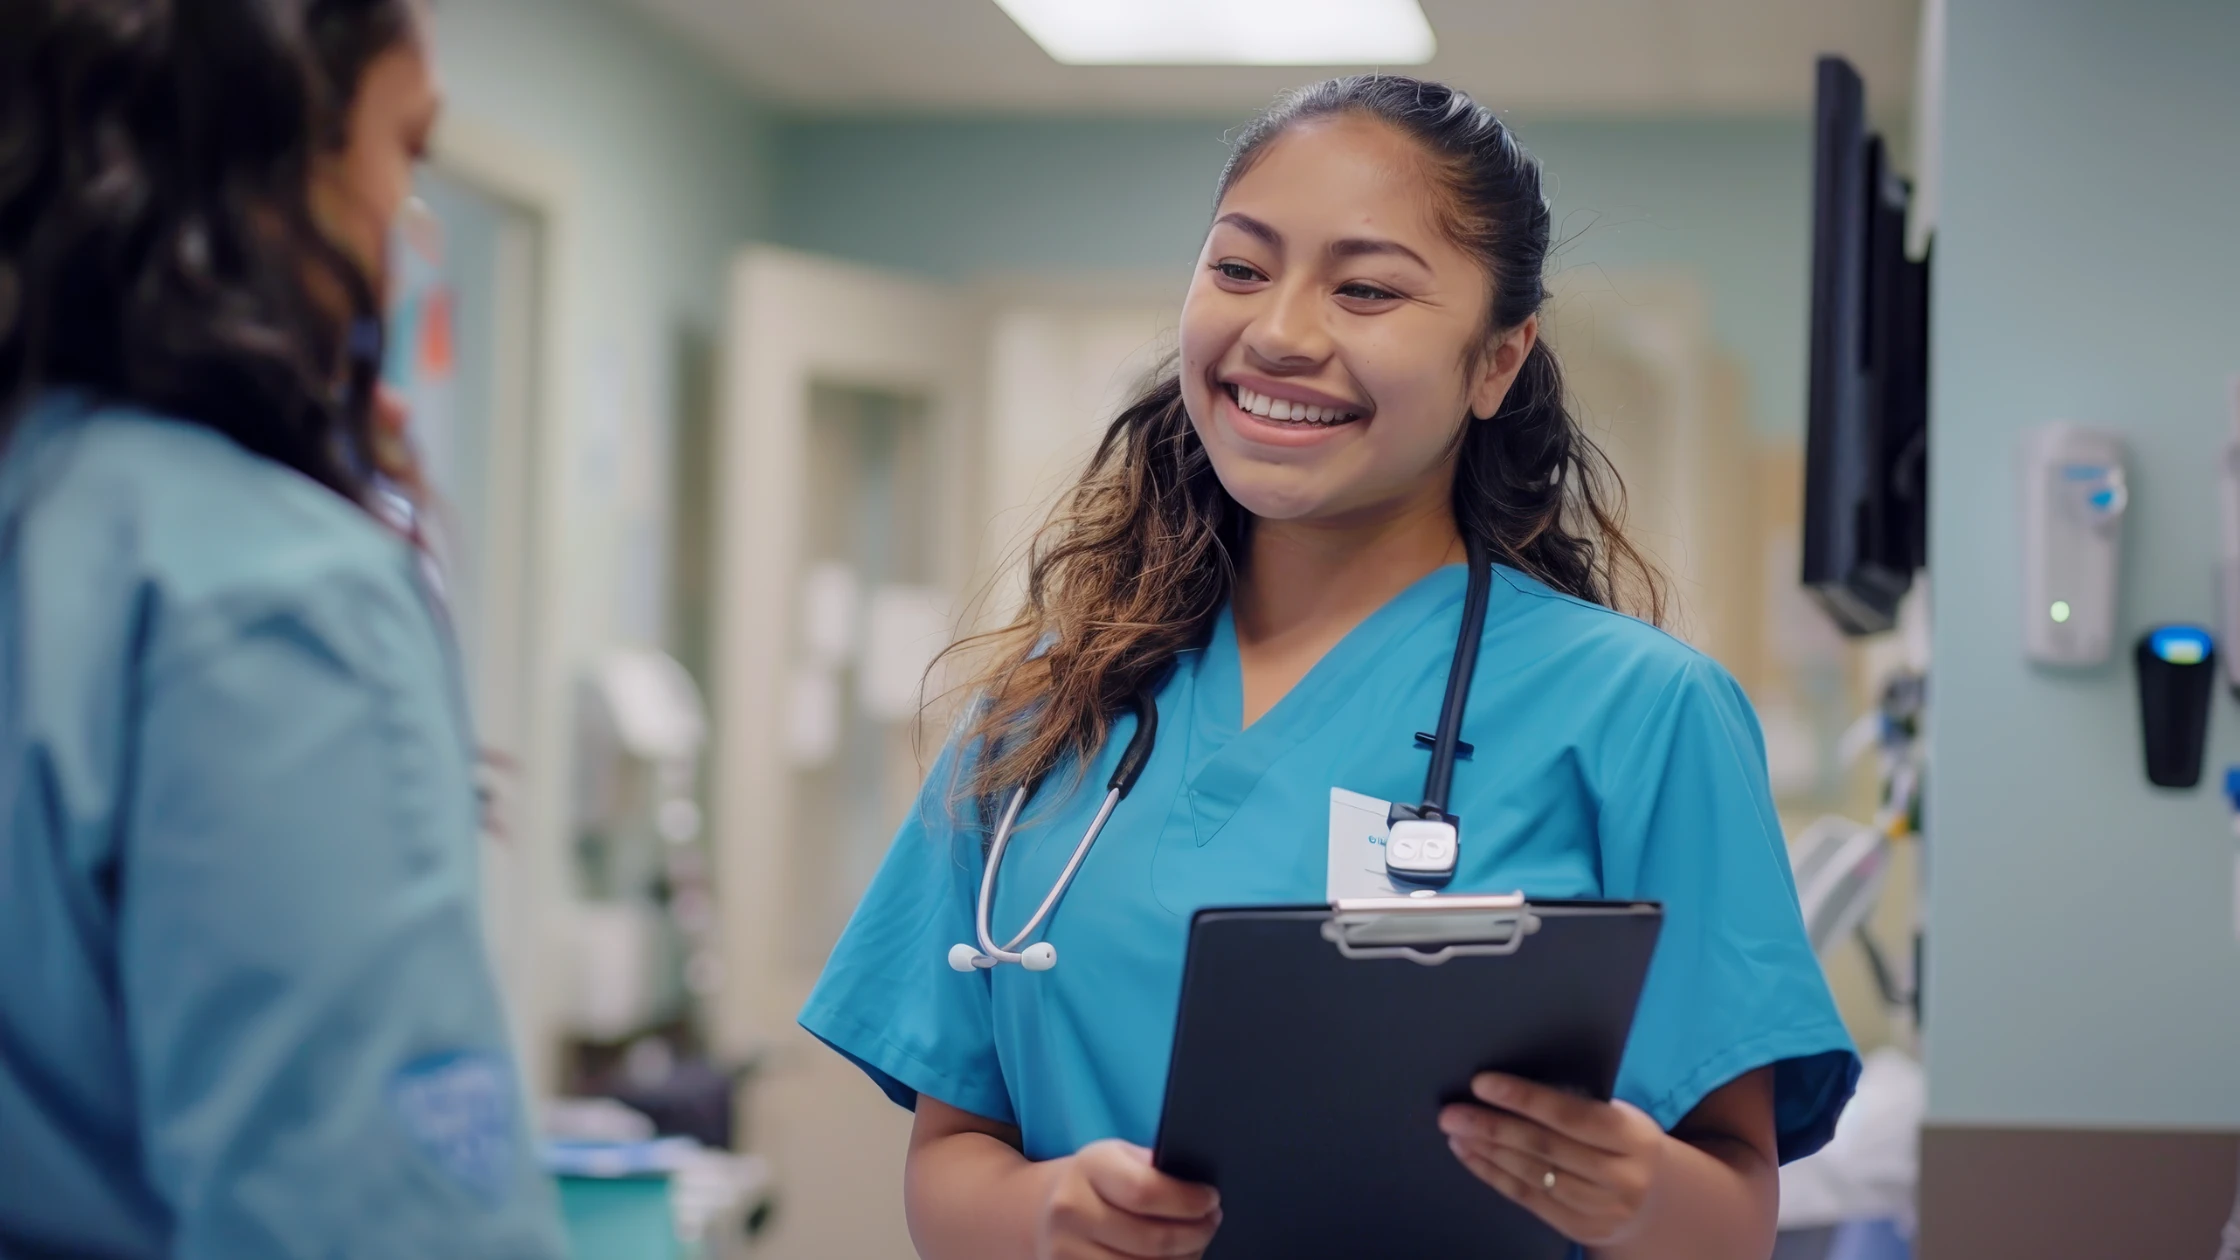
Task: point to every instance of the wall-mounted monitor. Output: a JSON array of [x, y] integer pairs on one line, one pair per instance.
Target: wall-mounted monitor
[[1866, 444]]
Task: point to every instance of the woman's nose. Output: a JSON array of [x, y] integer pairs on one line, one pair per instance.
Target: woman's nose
[[1289, 331]]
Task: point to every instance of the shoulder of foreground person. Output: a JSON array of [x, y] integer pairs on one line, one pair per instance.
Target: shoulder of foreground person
[[176, 528]]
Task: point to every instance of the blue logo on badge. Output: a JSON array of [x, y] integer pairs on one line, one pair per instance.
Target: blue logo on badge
[[459, 1110]]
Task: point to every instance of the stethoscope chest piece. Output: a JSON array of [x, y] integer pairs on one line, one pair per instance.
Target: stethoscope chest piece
[[1424, 843], [1422, 850]]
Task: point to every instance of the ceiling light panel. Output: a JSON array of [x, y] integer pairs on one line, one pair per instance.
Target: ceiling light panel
[[1227, 32]]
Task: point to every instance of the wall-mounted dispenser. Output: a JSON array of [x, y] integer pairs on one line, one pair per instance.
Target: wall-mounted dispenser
[[2177, 675], [2073, 500]]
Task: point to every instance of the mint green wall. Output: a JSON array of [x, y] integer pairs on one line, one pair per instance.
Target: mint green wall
[[2082, 967], [956, 197], [668, 162]]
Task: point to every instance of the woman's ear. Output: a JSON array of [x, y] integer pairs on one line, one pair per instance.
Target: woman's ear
[[1498, 367]]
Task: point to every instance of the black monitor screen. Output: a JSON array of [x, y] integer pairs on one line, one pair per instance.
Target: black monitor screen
[[1865, 506]]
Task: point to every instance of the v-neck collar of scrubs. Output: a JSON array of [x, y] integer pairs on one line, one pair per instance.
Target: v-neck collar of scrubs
[[1224, 762]]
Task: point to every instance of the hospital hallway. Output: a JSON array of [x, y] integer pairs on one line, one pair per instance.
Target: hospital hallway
[[847, 436]]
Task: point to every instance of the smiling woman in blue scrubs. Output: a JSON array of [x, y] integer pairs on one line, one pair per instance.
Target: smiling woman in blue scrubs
[[245, 1012], [1269, 543]]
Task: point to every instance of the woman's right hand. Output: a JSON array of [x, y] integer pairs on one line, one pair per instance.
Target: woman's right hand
[[1108, 1201]]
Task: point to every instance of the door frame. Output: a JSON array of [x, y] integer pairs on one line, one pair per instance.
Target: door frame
[[528, 458], [793, 319], [1657, 321]]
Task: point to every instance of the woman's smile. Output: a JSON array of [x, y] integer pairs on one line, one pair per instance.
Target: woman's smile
[[1276, 413]]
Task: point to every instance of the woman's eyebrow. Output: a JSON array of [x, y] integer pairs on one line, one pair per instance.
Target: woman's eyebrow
[[1357, 246], [1251, 226], [1351, 247]]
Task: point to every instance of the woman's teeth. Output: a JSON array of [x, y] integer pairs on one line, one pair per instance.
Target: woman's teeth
[[1283, 409]]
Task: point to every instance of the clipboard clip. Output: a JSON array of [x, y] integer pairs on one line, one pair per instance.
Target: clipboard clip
[[1429, 930]]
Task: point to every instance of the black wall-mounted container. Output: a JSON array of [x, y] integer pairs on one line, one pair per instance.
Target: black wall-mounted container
[[2177, 675]]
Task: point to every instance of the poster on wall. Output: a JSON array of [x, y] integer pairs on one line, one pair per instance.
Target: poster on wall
[[421, 361]]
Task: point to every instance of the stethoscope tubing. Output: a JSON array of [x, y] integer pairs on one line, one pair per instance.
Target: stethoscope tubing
[[1008, 952], [1437, 782]]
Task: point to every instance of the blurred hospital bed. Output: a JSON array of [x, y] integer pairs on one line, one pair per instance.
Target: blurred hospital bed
[[1855, 1198]]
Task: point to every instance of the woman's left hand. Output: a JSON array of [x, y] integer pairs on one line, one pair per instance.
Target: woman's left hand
[[1587, 1168]]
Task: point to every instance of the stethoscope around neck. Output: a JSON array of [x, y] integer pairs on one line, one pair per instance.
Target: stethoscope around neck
[[1042, 955], [1422, 846]]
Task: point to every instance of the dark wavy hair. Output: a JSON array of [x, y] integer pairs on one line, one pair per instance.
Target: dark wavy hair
[[1141, 554], [157, 242]]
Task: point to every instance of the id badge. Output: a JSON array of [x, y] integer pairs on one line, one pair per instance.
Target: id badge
[[1358, 825]]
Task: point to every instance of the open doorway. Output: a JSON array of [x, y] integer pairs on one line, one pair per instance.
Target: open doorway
[[471, 325], [846, 499], [461, 352]]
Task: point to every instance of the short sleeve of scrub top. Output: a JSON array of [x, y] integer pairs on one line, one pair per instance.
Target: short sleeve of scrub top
[[1610, 760], [888, 999], [1734, 985]]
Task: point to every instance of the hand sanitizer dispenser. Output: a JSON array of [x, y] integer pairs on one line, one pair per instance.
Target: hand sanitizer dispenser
[[2073, 501]]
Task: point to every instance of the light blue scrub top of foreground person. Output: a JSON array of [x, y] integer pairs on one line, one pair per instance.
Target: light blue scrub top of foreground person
[[244, 1007], [1610, 760]]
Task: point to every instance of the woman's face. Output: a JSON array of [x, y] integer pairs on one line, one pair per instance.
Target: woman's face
[[357, 190], [1332, 336]]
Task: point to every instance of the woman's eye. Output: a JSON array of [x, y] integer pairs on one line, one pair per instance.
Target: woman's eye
[[1366, 292], [1236, 271]]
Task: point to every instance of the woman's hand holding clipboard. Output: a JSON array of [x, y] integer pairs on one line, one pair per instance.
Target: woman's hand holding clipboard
[[1582, 1165], [1107, 1200]]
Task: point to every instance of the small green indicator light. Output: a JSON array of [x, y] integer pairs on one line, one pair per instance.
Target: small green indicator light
[[2060, 610]]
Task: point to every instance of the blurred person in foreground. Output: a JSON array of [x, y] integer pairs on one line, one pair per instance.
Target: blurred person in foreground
[[245, 1008]]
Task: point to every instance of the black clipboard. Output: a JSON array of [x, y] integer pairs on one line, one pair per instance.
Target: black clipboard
[[1315, 1046]]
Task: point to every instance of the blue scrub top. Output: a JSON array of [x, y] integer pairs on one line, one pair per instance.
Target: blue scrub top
[[1610, 760], [245, 1010]]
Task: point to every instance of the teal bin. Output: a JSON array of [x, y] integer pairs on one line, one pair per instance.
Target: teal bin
[[619, 1218]]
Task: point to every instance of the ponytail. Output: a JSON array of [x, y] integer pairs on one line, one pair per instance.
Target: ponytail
[[1544, 499]]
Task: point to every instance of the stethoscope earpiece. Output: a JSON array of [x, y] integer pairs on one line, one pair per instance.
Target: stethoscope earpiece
[[1040, 956]]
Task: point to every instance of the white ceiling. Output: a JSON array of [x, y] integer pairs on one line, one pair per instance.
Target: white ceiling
[[1569, 56]]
